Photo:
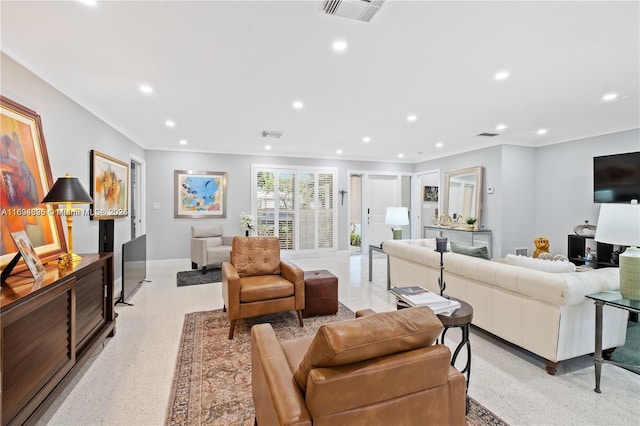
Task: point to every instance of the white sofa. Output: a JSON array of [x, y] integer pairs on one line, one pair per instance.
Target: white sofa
[[542, 312]]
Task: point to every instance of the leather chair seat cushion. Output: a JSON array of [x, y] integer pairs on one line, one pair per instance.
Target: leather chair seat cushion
[[369, 337], [256, 256], [265, 287], [206, 231]]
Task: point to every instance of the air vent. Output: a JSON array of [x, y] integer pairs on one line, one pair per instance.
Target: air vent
[[522, 251], [487, 135], [271, 134], [362, 10]]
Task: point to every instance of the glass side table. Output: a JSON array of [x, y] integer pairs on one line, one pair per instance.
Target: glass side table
[[615, 299]]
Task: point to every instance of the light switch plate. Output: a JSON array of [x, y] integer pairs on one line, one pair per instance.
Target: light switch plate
[[156, 206]]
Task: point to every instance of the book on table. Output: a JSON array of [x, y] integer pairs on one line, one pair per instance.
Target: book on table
[[419, 296]]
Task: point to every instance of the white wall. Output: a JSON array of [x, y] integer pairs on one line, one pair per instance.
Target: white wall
[[70, 133]]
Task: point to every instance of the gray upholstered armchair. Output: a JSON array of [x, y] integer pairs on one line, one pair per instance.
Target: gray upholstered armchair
[[209, 246]]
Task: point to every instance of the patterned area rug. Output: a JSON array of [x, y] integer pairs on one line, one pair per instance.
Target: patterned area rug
[[194, 277], [212, 381]]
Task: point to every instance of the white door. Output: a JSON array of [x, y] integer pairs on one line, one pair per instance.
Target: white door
[[381, 192]]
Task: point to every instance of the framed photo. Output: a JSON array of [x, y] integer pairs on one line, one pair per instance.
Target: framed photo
[[200, 195], [25, 178], [430, 193], [28, 253], [109, 187]]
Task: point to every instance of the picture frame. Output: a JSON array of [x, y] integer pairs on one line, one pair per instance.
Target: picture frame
[[200, 194], [29, 255], [430, 193], [25, 179], [109, 187]]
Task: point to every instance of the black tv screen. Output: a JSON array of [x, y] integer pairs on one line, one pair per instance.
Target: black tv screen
[[616, 178]]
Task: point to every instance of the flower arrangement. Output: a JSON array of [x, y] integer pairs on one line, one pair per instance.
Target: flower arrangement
[[246, 222]]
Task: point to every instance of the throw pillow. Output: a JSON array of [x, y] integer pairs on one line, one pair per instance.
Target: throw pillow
[[481, 252], [554, 266]]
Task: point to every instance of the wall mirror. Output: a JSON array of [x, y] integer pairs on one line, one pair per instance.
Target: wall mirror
[[462, 193]]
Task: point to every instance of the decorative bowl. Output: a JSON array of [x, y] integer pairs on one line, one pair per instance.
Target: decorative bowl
[[585, 230]]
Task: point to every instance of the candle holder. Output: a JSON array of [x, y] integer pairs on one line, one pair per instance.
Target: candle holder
[[441, 247]]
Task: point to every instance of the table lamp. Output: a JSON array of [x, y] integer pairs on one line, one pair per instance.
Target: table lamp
[[620, 224], [68, 190], [397, 217]]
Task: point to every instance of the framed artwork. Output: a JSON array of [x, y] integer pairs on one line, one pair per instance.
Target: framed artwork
[[25, 178], [109, 187], [200, 195], [28, 253], [430, 193]]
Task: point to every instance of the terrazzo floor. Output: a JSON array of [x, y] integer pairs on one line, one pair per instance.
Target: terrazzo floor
[[127, 381]]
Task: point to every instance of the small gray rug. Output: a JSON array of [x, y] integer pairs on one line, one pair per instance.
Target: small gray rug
[[195, 277]]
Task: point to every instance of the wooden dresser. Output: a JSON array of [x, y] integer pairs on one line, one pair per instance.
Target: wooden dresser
[[49, 330]]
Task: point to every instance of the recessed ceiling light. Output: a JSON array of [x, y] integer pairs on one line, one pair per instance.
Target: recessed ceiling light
[[412, 117], [88, 2], [501, 126], [610, 97], [144, 88], [339, 151], [541, 131], [339, 46], [366, 139], [182, 142], [400, 155], [439, 145], [170, 123], [501, 75], [267, 147], [298, 105]]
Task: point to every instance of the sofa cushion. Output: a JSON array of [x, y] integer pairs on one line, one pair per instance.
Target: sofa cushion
[[554, 266], [481, 252], [206, 231], [368, 337]]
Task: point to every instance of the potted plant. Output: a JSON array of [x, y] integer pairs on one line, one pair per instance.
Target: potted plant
[[471, 223]]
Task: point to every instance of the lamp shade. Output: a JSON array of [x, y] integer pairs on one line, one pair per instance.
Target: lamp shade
[[397, 216], [619, 224], [67, 190]]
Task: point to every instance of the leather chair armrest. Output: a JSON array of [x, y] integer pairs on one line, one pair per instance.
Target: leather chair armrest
[[227, 241], [364, 313], [293, 273], [199, 251], [457, 396], [276, 396], [231, 290]]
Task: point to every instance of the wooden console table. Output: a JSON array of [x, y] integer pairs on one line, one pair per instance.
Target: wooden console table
[[49, 330]]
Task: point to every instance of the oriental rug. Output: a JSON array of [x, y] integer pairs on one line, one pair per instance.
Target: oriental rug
[[212, 380]]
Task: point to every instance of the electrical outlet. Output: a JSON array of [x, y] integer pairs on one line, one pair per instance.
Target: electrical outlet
[[489, 189]]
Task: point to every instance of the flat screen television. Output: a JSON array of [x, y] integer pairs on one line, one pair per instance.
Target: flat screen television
[[616, 178], [134, 266]]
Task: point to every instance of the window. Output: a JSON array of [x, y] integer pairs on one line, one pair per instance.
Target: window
[[296, 204]]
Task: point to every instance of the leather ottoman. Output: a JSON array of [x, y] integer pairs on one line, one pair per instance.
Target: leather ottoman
[[320, 293]]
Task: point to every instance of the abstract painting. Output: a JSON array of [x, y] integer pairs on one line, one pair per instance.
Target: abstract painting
[[109, 187], [25, 178], [430, 193], [200, 194]]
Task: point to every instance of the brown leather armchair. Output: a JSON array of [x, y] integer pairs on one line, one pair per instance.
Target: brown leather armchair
[[257, 282], [380, 369]]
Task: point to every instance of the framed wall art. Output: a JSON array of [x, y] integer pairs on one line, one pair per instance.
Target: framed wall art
[[109, 187], [200, 194], [430, 193], [25, 179]]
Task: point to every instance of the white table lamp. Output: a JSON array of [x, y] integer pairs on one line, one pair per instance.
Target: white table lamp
[[620, 224], [397, 217]]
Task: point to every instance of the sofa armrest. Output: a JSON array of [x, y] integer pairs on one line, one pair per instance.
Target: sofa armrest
[[276, 396], [293, 273], [199, 251], [227, 241], [364, 313]]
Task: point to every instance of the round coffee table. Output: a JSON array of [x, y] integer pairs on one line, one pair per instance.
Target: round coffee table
[[461, 318]]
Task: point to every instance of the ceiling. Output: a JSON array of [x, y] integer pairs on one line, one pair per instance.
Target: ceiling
[[226, 71]]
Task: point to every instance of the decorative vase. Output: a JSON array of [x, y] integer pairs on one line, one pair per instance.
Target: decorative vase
[[246, 233]]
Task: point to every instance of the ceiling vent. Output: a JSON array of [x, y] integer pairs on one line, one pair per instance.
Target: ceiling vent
[[487, 135], [362, 10], [271, 134]]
